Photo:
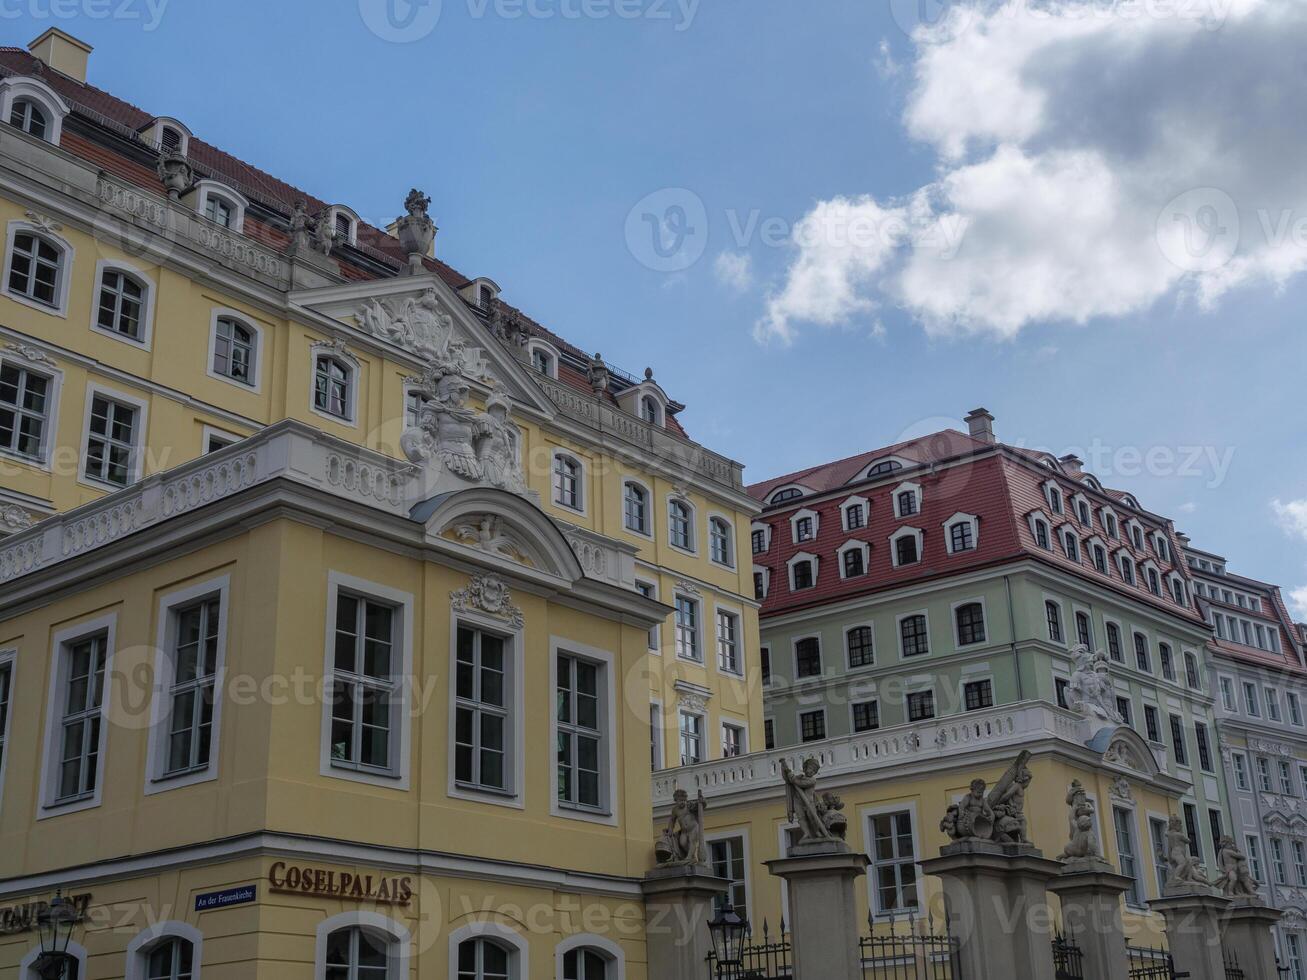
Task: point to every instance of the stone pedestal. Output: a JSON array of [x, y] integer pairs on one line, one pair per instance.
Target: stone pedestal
[[825, 929], [678, 904], [1193, 929], [1090, 891], [1248, 937], [998, 910]]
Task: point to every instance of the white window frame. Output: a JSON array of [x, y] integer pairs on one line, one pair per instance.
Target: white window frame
[[148, 287], [681, 715], [692, 515], [55, 377], [582, 496], [898, 633], [1236, 769], [210, 432], [767, 532], [903, 532], [402, 670], [67, 260], [657, 735], [1229, 694], [853, 706], [205, 189], [27, 966], [18, 87], [853, 545], [606, 948], [794, 659], [953, 618], [9, 659], [743, 730], [256, 385], [738, 615], [816, 569], [648, 532], [519, 952], [865, 816], [340, 210], [143, 943], [800, 514], [1035, 517], [698, 631], [354, 376], [810, 710], [848, 505], [59, 644], [730, 540], [961, 518], [535, 344], [1077, 499], [1111, 528], [397, 936], [164, 667], [848, 628], [656, 632], [139, 440], [908, 487], [741, 834], [515, 796], [765, 572], [607, 812]]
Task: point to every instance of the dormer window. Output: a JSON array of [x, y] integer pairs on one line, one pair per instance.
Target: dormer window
[[907, 500], [167, 135], [884, 467], [1054, 498], [29, 117], [218, 211], [346, 223], [789, 493], [544, 359], [485, 297], [170, 139], [222, 205], [650, 410]]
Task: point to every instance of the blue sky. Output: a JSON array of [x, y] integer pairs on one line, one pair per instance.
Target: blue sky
[[537, 132]]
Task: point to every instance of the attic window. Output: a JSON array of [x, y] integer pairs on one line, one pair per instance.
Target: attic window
[[170, 140], [884, 467], [28, 117], [485, 296], [650, 410], [784, 495], [219, 210], [344, 226]]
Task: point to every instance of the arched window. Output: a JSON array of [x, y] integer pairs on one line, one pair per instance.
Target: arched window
[[122, 303], [1084, 633], [36, 269], [234, 347], [170, 139], [635, 508], [1041, 535], [907, 503], [483, 959], [650, 410], [219, 210], [170, 959], [332, 382], [719, 540], [971, 623], [30, 118], [567, 482], [1053, 612], [356, 953], [680, 523], [884, 467], [791, 493], [584, 964], [860, 646], [542, 361]]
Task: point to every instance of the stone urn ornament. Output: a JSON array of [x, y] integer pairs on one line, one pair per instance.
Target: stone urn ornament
[[175, 172], [416, 231]]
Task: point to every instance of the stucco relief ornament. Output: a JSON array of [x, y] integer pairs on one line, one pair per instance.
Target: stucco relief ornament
[[43, 222], [489, 595], [487, 534], [1090, 692], [802, 805], [33, 354], [1183, 867], [14, 519], [1235, 880], [1083, 843], [1121, 790], [681, 842]]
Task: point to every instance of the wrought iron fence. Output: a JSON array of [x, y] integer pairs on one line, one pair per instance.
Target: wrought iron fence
[[1151, 963], [1068, 961], [910, 949], [1232, 968], [765, 960]]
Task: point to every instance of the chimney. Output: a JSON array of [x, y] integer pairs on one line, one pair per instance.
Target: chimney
[[1073, 464], [62, 52], [981, 425]]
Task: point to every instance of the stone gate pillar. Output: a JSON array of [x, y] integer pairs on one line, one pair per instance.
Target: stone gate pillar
[[1193, 929], [998, 907], [825, 930], [678, 904], [1090, 891], [1248, 938]]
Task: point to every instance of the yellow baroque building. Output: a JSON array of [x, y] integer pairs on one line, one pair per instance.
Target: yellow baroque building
[[207, 378]]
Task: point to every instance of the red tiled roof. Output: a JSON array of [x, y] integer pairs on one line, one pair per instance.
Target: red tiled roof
[[107, 109]]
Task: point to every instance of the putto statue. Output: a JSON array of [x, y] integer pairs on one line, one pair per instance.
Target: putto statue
[[682, 841], [1000, 815], [1083, 841], [299, 228], [801, 803], [1184, 868], [1090, 692], [324, 232], [832, 815], [1235, 880]]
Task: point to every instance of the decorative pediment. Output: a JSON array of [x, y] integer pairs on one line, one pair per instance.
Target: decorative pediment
[[1123, 748], [488, 594]]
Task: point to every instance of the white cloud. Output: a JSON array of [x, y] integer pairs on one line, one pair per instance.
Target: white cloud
[[734, 270], [1298, 603], [1292, 516], [1092, 160], [1188, 507]]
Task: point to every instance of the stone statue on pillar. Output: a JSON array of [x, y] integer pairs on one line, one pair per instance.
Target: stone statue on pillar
[[1184, 869], [802, 805], [1235, 879], [999, 816], [1083, 844], [682, 841]]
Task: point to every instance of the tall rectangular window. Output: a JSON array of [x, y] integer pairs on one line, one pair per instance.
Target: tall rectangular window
[[691, 738], [728, 642], [893, 862], [650, 591], [1286, 778], [687, 629], [111, 442], [363, 685], [1214, 825], [861, 647], [1227, 695], [1153, 732], [1191, 828], [1157, 830], [1264, 775], [732, 741], [580, 715], [727, 857], [482, 695], [1141, 653], [1204, 748], [1127, 853], [912, 634], [1255, 857], [807, 657], [1177, 741], [655, 737], [82, 716], [24, 411], [1299, 861], [1278, 867], [1240, 765], [6, 686], [194, 668], [332, 387]]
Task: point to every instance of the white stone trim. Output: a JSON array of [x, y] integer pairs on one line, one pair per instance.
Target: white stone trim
[[765, 572], [396, 934], [139, 436], [17, 87], [855, 545], [729, 833], [605, 947], [160, 708], [519, 958], [650, 531], [206, 188], [953, 620], [803, 492], [401, 708], [534, 344], [155, 130], [18, 354], [46, 805], [676, 497], [853, 502], [245, 320], [67, 258], [1038, 516], [865, 815], [906, 487], [737, 611], [343, 356], [794, 658], [801, 514], [582, 507], [848, 628], [904, 532], [337, 210], [26, 966], [898, 633], [961, 518], [766, 528], [148, 286], [1062, 623], [802, 709], [609, 780], [144, 941], [207, 433], [816, 569], [732, 546]]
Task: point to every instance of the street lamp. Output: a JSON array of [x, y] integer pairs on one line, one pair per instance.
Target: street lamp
[[728, 931], [55, 924]]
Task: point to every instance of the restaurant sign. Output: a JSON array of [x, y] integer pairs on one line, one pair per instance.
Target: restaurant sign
[[379, 889], [23, 918]]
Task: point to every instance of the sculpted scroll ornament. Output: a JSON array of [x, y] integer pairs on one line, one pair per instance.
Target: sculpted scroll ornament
[[489, 595]]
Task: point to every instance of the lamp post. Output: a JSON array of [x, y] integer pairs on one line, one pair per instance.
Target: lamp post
[[55, 924], [728, 931]]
